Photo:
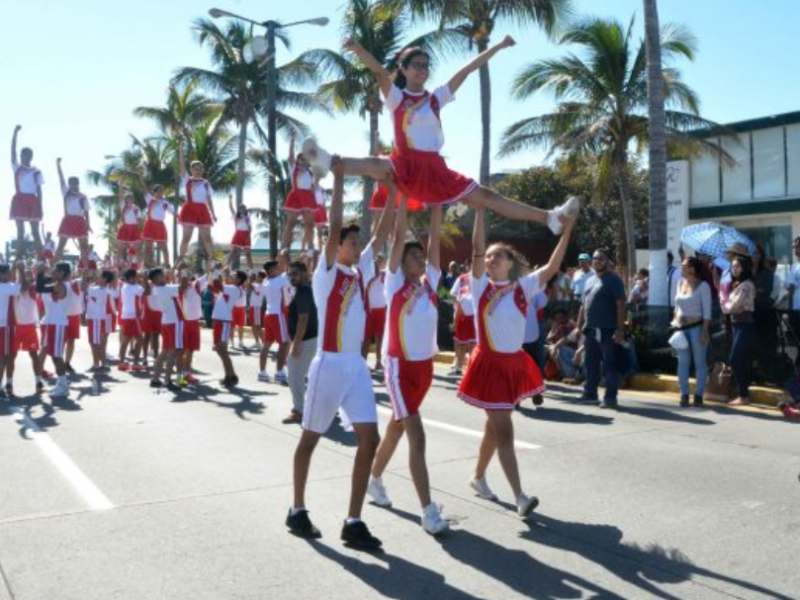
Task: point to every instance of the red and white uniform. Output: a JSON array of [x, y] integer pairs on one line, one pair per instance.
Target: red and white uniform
[[381, 195], [195, 211], [131, 295], [26, 205], [410, 343], [320, 214], [27, 333], [73, 224], [339, 379], [128, 232], [154, 229], [94, 261], [75, 308], [193, 312], [376, 305], [9, 294], [301, 197], [500, 373], [167, 297], [222, 315], [420, 171], [255, 316], [55, 322], [464, 330], [97, 321], [275, 327], [241, 237], [151, 321], [49, 250], [239, 315], [113, 305]]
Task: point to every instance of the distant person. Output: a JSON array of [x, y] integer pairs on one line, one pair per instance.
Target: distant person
[[26, 205], [581, 276], [154, 231], [453, 272], [75, 225], [303, 332], [197, 211], [301, 201], [241, 241], [740, 305], [764, 316], [693, 318], [641, 288]]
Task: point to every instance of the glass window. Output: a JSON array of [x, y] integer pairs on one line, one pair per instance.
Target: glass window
[[736, 179], [793, 149], [768, 164], [776, 239], [705, 181]]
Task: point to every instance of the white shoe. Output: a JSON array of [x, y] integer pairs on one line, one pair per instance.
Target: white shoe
[[317, 157], [264, 376], [377, 492], [457, 210], [60, 390], [432, 520], [482, 489], [281, 377], [568, 209], [526, 504]]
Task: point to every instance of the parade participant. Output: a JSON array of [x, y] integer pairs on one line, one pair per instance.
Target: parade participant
[[255, 308], [26, 205], [197, 211], [381, 195], [300, 201], [464, 336], [226, 296], [9, 296], [500, 374], [339, 379], [416, 166], [154, 230], [241, 241], [128, 234], [376, 312], [49, 251], [130, 322], [98, 324], [151, 322], [76, 224], [193, 312], [274, 320], [411, 283], [167, 298], [27, 332], [320, 214], [75, 308], [239, 317], [57, 292]]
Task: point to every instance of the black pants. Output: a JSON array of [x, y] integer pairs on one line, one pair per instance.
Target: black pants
[[741, 357], [766, 351]]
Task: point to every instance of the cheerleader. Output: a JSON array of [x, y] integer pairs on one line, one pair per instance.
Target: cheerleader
[[128, 233], [130, 322], [255, 308], [381, 195], [9, 297], [76, 224], [27, 333], [98, 323], [241, 241], [151, 321], [320, 214], [416, 166], [49, 251], [197, 211], [464, 335], [26, 205], [56, 292], [500, 374], [154, 231], [411, 284], [226, 296], [301, 200], [376, 312]]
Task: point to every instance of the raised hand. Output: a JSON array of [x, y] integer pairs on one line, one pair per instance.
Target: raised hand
[[349, 43], [337, 165], [58, 161], [508, 41], [17, 128]]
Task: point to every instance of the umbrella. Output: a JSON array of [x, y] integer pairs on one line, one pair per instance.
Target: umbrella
[[714, 239]]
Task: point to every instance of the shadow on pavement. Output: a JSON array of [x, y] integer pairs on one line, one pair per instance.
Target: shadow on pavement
[[558, 415], [245, 406]]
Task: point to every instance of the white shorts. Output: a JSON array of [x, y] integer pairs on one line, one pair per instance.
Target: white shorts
[[338, 380]]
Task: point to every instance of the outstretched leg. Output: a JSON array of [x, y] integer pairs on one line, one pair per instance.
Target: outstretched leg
[[288, 230]]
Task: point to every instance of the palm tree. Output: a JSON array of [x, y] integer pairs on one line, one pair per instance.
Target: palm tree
[[603, 105], [472, 22]]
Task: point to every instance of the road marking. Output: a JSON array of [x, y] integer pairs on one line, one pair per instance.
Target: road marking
[[87, 490], [462, 430]]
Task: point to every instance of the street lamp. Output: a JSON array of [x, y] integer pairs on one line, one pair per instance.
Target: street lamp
[[259, 53]]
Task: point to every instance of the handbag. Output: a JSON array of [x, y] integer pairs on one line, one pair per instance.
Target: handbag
[[678, 340]]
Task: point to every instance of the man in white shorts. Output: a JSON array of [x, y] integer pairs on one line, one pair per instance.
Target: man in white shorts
[[339, 377]]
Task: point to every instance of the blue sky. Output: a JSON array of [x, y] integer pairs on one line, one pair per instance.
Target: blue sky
[[73, 72]]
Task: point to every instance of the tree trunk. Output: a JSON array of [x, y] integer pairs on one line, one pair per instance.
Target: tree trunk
[[621, 168], [368, 184], [659, 287], [240, 162], [486, 117]]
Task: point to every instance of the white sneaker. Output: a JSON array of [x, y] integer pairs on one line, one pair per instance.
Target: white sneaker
[[432, 520], [317, 157], [482, 489], [526, 504], [264, 376], [60, 390], [377, 492], [281, 377], [457, 210], [568, 209]]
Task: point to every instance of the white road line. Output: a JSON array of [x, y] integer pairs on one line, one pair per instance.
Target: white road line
[[462, 430], [87, 490]]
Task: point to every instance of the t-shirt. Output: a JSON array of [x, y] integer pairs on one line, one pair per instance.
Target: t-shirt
[[537, 303], [416, 123], [303, 304], [131, 294], [376, 293], [339, 293], [166, 298], [75, 299], [579, 280], [413, 317], [8, 313], [273, 291], [97, 301], [197, 190], [302, 178], [694, 303], [130, 215], [674, 275], [28, 179], [600, 297], [77, 204], [225, 301], [243, 223], [56, 311], [193, 299], [462, 292], [28, 308], [157, 209], [257, 297], [502, 310]]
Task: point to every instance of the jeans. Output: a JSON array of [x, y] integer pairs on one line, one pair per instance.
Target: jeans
[[600, 353], [697, 352], [298, 371], [566, 361], [741, 357]]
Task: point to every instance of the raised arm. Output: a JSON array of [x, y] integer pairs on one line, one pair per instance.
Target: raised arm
[[381, 74], [479, 244], [142, 180], [337, 210], [400, 228], [61, 178], [230, 205], [387, 216], [554, 264], [477, 62], [434, 237], [14, 157]]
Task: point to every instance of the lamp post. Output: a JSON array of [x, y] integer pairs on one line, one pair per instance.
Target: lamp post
[[272, 84]]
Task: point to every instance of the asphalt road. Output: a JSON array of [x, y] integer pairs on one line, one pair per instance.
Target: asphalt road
[[133, 494]]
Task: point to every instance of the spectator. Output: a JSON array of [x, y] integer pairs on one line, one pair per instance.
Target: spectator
[[764, 317], [725, 286], [581, 276], [453, 272], [601, 319], [559, 287], [562, 344], [793, 286], [641, 288], [302, 327], [693, 317], [740, 306]]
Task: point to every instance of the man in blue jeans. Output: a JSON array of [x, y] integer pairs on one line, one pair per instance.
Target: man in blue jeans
[[601, 319]]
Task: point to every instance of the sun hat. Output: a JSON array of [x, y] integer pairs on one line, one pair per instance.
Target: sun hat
[[739, 249]]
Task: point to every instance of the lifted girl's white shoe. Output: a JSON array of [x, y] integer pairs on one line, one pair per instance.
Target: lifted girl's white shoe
[[317, 157], [569, 209]]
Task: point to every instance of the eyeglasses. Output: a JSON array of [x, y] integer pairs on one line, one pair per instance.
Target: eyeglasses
[[420, 66]]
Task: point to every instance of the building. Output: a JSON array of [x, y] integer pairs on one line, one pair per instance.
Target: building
[[759, 195]]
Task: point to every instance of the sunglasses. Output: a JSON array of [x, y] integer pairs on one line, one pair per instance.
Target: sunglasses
[[420, 66]]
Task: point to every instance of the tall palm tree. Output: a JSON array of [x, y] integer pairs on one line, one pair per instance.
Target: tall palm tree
[[472, 22], [603, 105]]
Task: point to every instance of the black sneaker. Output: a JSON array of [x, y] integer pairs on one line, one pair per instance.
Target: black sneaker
[[538, 400], [69, 369], [685, 400], [156, 383], [39, 386], [300, 525], [609, 404], [9, 390], [173, 387], [698, 400], [357, 535], [587, 399]]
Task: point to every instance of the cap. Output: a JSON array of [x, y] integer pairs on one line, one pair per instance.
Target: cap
[[584, 256]]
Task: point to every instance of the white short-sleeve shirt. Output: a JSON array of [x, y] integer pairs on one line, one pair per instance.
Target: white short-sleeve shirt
[[29, 179], [412, 320], [225, 301], [8, 292], [414, 116], [131, 294]]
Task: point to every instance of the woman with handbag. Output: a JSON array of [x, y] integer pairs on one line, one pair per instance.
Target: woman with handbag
[[693, 318], [741, 305]]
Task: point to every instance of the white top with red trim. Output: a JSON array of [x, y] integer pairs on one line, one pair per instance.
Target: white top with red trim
[[224, 302], [502, 310], [8, 309], [166, 298], [76, 203], [340, 296], [94, 256], [243, 223], [112, 302], [257, 296], [193, 299], [273, 291], [413, 317], [131, 294], [27, 179], [157, 209], [97, 302], [241, 301], [28, 308], [376, 291], [462, 292], [302, 178], [130, 214], [56, 311], [197, 190], [74, 299], [416, 118], [50, 245]]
